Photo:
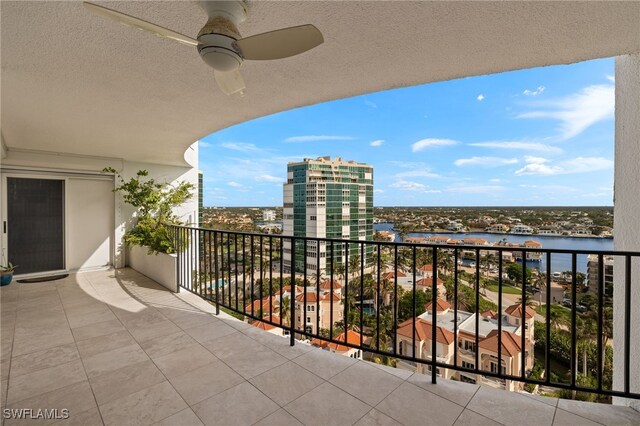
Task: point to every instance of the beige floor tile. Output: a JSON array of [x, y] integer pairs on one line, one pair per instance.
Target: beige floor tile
[[99, 344], [125, 381], [565, 418], [206, 381], [112, 360], [508, 407], [279, 344], [409, 405], [286, 382], [144, 407], [471, 418], [167, 343], [38, 339], [90, 417], [3, 393], [180, 362], [327, 405], [279, 418], [210, 331], [376, 418], [323, 363], [183, 418], [154, 330], [458, 392], [97, 329], [366, 382], [244, 355], [75, 398], [601, 413], [141, 319], [187, 319], [28, 363], [43, 381], [229, 407], [90, 318]]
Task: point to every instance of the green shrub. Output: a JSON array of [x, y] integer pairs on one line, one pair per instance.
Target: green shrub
[[154, 203]]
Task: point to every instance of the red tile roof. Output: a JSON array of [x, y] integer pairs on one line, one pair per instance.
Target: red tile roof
[[426, 268], [441, 305], [510, 343], [428, 282], [423, 331], [516, 311], [266, 326], [352, 338], [326, 285]]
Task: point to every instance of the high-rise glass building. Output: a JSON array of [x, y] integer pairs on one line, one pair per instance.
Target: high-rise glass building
[[329, 199]]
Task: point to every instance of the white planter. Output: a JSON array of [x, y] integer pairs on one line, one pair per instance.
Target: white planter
[[159, 267]]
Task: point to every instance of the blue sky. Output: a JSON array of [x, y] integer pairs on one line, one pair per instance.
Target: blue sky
[[543, 136]]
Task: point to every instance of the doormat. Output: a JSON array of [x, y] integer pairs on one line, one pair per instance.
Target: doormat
[[43, 279]]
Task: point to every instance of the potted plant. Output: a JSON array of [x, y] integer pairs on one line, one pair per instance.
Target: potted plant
[[151, 242], [6, 273]]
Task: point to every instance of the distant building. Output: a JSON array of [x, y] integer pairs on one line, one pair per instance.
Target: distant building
[[592, 274], [268, 215], [522, 229], [511, 340], [352, 338], [328, 199], [387, 236], [499, 228], [455, 226]]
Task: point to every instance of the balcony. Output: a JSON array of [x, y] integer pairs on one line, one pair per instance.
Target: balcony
[[115, 348]]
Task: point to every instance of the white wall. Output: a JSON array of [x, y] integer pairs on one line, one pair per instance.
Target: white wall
[[92, 209], [626, 223], [89, 220]]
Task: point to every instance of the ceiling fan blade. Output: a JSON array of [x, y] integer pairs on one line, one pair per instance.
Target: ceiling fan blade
[[230, 82], [280, 44], [125, 19]]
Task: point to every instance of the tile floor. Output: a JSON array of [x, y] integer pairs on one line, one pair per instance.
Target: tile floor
[[115, 348]]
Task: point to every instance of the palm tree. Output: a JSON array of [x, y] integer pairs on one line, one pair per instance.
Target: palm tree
[[354, 265], [285, 305], [587, 330]]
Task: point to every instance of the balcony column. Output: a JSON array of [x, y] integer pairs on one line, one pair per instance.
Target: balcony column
[[626, 224]]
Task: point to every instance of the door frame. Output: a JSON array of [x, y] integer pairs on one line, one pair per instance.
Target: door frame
[[4, 202]]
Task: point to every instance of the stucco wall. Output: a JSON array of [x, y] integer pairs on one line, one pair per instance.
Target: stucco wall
[[626, 217], [123, 218]]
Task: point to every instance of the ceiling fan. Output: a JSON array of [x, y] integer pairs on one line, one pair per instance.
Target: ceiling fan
[[219, 42]]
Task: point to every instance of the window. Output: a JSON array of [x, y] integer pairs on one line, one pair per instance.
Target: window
[[467, 345], [469, 365], [313, 218], [308, 319]]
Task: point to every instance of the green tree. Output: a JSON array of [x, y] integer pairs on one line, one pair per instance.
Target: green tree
[[154, 203], [405, 304]]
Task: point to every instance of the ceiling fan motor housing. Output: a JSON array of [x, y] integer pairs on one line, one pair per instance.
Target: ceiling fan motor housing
[[218, 51]]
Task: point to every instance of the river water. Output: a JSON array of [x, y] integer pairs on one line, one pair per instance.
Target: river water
[[560, 262]]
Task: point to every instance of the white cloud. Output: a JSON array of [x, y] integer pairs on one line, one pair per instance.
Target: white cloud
[[611, 78], [240, 146], [378, 191], [371, 104], [203, 144], [318, 138], [536, 92], [405, 185], [418, 173], [480, 97], [431, 142], [535, 160], [485, 161], [539, 166], [578, 111], [523, 145], [496, 180], [477, 189], [238, 186], [269, 178], [377, 142], [595, 194]]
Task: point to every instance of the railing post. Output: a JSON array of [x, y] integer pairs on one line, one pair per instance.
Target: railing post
[[434, 320], [292, 340], [177, 247], [217, 276]]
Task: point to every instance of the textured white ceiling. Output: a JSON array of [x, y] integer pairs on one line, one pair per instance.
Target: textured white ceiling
[[75, 83]]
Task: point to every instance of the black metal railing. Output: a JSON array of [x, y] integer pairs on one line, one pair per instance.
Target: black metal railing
[[484, 306]]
